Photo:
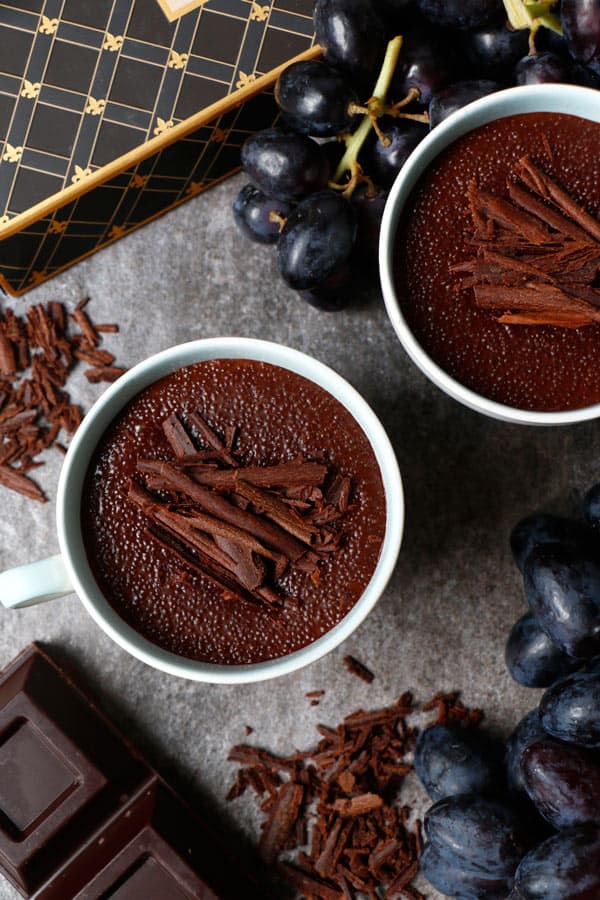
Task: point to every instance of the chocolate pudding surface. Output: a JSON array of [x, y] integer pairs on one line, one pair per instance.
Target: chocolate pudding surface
[[277, 415], [531, 367]]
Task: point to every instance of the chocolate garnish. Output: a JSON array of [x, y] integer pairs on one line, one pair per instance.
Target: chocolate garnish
[[537, 254], [239, 533], [355, 667], [351, 833], [38, 350]]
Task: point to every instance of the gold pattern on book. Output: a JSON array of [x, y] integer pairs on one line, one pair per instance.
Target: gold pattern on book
[[48, 26], [80, 174], [95, 107], [30, 89], [12, 154], [244, 80], [139, 181], [177, 60], [163, 126], [57, 226], [113, 42], [259, 13]]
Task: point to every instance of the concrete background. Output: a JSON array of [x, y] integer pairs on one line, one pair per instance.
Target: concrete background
[[444, 619]]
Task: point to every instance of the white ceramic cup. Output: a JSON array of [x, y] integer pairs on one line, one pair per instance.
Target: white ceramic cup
[[553, 98], [70, 571]]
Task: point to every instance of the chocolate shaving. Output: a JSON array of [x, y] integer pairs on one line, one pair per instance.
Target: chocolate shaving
[[537, 255], [213, 440], [282, 817], [177, 436], [357, 668], [38, 351], [350, 834], [358, 806], [241, 534]]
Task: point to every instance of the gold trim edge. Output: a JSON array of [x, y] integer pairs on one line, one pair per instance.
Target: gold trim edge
[[139, 154]]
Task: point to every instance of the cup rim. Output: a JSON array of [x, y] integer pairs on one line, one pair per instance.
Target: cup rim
[[94, 425], [572, 100]]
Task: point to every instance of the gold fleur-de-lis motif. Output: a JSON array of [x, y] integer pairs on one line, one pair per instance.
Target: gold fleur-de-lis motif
[[30, 89], [95, 107], [177, 60], [12, 154], [139, 181], [162, 126], [37, 277], [218, 135], [113, 42], [48, 26], [5, 219], [259, 13], [80, 174], [244, 80], [57, 226], [193, 188], [117, 231]]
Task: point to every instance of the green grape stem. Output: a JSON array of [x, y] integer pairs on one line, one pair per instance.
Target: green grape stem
[[532, 14], [375, 105]]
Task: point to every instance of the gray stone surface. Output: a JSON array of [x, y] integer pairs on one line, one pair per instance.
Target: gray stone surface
[[444, 618]]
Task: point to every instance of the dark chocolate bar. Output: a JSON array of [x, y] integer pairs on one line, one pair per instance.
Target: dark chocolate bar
[[82, 815]]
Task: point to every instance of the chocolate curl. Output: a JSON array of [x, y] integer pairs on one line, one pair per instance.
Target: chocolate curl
[[538, 181], [169, 478]]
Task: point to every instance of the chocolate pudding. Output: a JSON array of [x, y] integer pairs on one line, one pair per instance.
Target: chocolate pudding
[[233, 512], [502, 346]]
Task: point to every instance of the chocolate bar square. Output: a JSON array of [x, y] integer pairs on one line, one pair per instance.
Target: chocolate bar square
[[63, 770]]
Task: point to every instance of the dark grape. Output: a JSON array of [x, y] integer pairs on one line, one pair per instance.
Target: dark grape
[[542, 528], [352, 36], [528, 731], [450, 761], [252, 210], [454, 96], [563, 781], [563, 590], [580, 21], [460, 13], [584, 76], [369, 206], [564, 867], [494, 50], [477, 834], [333, 294], [384, 163], [315, 98], [427, 62], [570, 709], [454, 882], [542, 68], [317, 240], [593, 665], [286, 166], [591, 506], [532, 658]]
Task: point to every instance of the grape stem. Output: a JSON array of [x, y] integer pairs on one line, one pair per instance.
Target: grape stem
[[532, 14], [375, 107]]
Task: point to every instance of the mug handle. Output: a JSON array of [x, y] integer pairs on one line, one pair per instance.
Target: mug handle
[[34, 583]]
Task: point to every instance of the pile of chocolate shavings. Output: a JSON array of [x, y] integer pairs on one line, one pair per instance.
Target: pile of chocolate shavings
[[240, 526], [334, 809], [537, 253], [38, 351]]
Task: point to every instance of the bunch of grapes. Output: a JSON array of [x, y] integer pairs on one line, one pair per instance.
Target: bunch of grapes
[[524, 820], [391, 69]]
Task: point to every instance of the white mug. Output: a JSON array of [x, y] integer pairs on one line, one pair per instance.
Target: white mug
[[70, 571], [553, 98]]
